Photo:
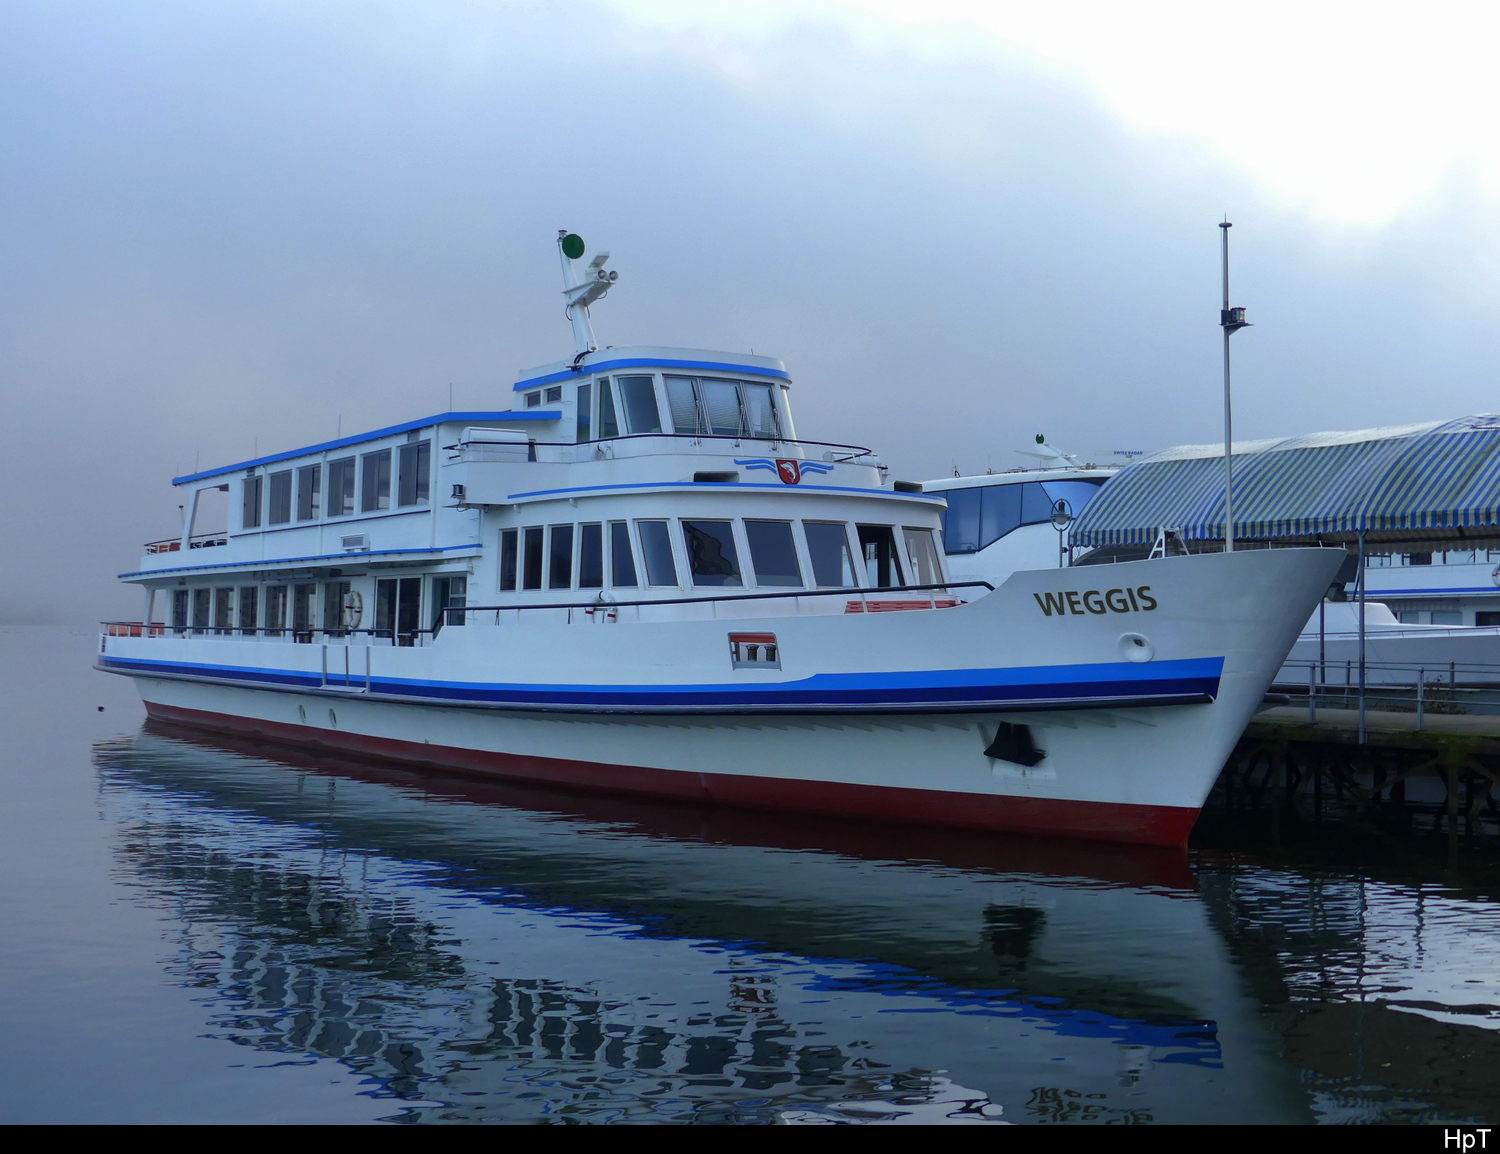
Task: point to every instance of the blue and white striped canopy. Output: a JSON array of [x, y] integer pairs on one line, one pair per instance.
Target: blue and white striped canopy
[[1433, 481]]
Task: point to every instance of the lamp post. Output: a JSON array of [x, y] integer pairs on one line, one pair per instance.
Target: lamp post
[[1231, 320]]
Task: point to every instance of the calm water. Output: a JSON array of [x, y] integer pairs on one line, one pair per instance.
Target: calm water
[[195, 931]]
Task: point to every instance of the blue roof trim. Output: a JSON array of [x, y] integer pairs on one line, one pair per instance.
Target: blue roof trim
[[721, 485], [649, 363], [391, 430], [1078, 685], [1381, 595], [279, 561]]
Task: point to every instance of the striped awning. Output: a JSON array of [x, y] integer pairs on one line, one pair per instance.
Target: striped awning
[[1436, 481]]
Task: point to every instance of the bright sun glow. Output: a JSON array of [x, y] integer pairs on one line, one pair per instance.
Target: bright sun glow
[[1350, 111]]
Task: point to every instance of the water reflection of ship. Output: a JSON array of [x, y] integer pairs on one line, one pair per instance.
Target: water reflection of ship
[[510, 955]]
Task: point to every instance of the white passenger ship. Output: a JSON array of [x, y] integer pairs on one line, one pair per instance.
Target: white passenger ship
[[639, 579]]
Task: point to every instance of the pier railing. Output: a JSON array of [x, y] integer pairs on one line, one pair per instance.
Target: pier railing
[[1451, 687]]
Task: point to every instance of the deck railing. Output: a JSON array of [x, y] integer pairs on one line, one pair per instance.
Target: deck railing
[[638, 444], [174, 544]]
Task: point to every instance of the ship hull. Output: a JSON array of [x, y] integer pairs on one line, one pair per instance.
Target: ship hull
[[1026, 711]]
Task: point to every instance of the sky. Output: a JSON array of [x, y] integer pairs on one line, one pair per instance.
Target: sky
[[230, 227]]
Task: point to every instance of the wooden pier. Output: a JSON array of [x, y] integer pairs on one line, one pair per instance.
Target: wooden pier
[[1441, 777]]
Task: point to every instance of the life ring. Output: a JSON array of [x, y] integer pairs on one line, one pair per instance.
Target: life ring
[[354, 609]]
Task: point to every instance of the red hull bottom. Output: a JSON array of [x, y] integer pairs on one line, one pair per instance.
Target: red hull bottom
[[1157, 825]]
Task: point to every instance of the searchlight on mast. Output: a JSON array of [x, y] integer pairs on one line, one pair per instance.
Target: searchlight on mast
[[583, 290]]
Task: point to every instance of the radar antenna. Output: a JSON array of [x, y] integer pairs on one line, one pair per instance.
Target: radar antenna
[[582, 291]]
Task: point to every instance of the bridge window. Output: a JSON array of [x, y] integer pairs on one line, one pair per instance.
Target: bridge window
[[638, 404], [609, 424], [773, 553], [415, 471], [534, 400], [722, 408], [554, 395], [375, 481], [828, 550], [309, 492], [280, 511], [585, 406], [250, 503], [712, 557]]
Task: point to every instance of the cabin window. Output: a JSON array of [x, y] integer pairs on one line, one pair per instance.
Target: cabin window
[[828, 550], [280, 511], [341, 487], [531, 573], [591, 556], [223, 610], [398, 609], [656, 552], [560, 558], [249, 603], [180, 609], [638, 404], [585, 430], [621, 559], [201, 608], [304, 601], [309, 492], [554, 395], [508, 550], [449, 596], [922, 554], [334, 593], [250, 503], [877, 544], [609, 424], [375, 481], [276, 607], [712, 558], [534, 400], [415, 471], [773, 554]]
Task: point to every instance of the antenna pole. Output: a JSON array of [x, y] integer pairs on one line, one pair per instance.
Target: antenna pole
[[1231, 320]]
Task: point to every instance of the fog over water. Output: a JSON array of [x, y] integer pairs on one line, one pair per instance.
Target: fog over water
[[242, 226]]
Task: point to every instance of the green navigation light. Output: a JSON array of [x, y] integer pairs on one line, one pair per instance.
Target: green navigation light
[[572, 246], [1041, 438]]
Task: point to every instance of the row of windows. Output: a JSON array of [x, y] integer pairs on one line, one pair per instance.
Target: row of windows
[[701, 406], [308, 607], [780, 554], [978, 517], [1437, 557], [274, 498]]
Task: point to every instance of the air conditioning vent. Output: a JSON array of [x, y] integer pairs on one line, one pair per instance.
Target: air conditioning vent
[[355, 542], [906, 486]]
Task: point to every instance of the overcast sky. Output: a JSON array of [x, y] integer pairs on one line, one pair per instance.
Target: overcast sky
[[230, 226]]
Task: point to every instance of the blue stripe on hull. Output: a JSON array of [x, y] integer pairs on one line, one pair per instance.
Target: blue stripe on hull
[[1046, 685]]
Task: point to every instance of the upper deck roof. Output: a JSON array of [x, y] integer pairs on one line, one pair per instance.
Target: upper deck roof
[[374, 435], [1016, 477], [652, 357]]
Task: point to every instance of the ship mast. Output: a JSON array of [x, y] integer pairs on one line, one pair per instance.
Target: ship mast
[[582, 291]]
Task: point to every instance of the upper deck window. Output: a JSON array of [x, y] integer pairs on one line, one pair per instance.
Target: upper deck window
[[250, 503], [375, 481], [720, 408], [280, 511], [413, 482], [341, 487], [309, 492]]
